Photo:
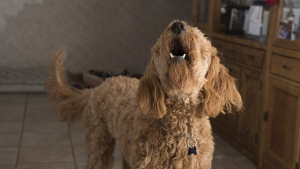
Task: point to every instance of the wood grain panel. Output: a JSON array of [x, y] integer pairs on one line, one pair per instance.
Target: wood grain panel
[[253, 57], [220, 45], [233, 51], [286, 52], [230, 120], [251, 95], [239, 40], [282, 136], [286, 67]]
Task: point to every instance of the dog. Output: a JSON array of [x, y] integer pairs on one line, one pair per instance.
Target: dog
[[160, 121]]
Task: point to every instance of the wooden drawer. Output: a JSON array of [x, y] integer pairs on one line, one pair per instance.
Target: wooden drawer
[[286, 67], [220, 45], [233, 51], [253, 57]]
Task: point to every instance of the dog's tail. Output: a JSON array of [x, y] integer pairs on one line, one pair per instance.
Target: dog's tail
[[70, 101]]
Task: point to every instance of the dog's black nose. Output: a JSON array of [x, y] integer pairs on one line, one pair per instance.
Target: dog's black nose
[[177, 27]]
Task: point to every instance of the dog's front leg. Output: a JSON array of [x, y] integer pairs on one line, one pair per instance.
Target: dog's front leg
[[146, 154], [100, 144]]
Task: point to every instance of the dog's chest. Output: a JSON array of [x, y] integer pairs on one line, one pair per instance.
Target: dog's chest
[[173, 149], [164, 142], [173, 153]]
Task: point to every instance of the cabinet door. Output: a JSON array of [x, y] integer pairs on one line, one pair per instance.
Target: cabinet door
[[200, 14], [282, 126], [286, 24], [249, 118], [229, 120]]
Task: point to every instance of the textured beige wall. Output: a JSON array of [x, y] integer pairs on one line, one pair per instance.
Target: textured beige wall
[[99, 34]]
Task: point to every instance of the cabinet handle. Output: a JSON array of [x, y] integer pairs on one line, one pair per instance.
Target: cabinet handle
[[286, 67], [232, 51], [251, 56]]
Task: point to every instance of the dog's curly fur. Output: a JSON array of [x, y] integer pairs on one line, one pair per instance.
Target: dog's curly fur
[[149, 120]]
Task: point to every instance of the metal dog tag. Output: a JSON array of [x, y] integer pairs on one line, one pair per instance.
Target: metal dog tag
[[192, 148]]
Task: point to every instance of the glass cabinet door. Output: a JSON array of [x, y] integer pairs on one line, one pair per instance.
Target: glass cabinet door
[[234, 13], [289, 28], [201, 13], [287, 32]]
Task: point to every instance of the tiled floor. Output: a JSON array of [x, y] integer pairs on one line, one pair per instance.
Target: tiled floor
[[32, 138]]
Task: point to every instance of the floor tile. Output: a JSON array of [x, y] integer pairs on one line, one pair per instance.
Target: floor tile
[[226, 154], [225, 147], [45, 138], [77, 132], [38, 99], [78, 138], [77, 126], [44, 154], [79, 152], [12, 106], [12, 113], [7, 166], [8, 155], [244, 163], [11, 126], [224, 164], [47, 166], [229, 150], [81, 165], [39, 107], [12, 98], [117, 165], [44, 125], [222, 161], [218, 154], [41, 114], [10, 139]]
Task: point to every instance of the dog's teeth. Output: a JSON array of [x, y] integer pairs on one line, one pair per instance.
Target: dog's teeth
[[183, 56], [171, 55]]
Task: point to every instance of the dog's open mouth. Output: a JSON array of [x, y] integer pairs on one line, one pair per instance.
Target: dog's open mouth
[[177, 50]]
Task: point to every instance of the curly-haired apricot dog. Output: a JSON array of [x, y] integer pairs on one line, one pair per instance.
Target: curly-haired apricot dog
[[160, 121]]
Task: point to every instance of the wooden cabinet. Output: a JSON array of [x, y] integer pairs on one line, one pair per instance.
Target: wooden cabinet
[[233, 51], [249, 118], [231, 120], [286, 67], [220, 45], [282, 125], [267, 131], [286, 32], [242, 127], [201, 13], [253, 57]]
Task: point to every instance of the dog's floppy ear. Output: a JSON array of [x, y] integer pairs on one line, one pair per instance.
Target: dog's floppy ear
[[219, 92], [150, 96]]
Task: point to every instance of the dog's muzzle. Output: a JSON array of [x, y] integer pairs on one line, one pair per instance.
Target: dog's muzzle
[[177, 50]]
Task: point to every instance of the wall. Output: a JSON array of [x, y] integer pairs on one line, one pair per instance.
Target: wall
[[97, 34]]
